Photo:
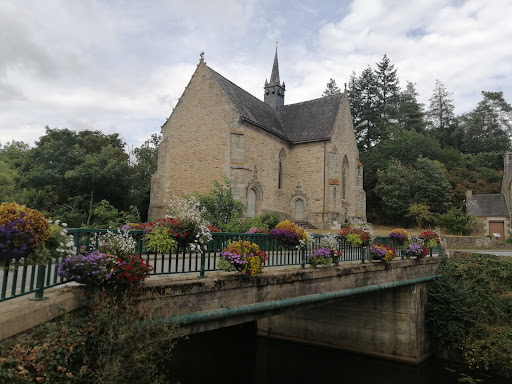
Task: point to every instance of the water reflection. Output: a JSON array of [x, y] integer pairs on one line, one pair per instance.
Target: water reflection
[[238, 355]]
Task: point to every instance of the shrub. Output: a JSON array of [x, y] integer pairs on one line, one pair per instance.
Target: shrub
[[416, 250], [22, 230], [321, 256], [117, 242], [92, 269], [355, 236], [290, 235], [469, 310], [243, 257], [399, 235], [456, 222], [112, 341], [218, 206], [430, 239], [381, 252]]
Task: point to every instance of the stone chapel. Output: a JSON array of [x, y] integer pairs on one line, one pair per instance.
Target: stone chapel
[[299, 159]]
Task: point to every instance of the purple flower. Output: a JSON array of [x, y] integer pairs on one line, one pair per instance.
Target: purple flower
[[286, 238]]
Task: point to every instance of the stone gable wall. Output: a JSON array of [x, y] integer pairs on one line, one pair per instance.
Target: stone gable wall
[[195, 145], [343, 144]]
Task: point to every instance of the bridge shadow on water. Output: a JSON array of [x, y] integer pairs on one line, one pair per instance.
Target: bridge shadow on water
[[238, 355]]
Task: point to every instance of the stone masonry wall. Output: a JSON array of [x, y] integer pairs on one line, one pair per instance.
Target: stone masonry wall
[[306, 180], [195, 146], [343, 144], [254, 164]]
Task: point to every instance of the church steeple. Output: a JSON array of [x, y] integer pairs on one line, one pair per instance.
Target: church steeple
[[274, 90]]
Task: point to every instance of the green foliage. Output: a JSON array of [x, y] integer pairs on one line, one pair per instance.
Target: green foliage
[[488, 127], [220, 206], [399, 187], [457, 222], [420, 213], [105, 215], [410, 111], [8, 182], [158, 240], [315, 261], [394, 188], [374, 98], [469, 310], [146, 160], [331, 89], [112, 341], [267, 220], [430, 185]]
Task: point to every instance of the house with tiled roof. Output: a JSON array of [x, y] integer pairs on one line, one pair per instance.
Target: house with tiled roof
[[492, 211], [300, 159]]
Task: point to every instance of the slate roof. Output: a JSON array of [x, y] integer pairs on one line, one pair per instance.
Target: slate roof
[[487, 205], [310, 120], [250, 107], [302, 122]]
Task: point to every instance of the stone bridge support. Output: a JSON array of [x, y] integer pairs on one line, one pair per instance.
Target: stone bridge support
[[387, 323]]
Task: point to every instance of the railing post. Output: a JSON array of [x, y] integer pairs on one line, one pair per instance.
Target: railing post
[[364, 253], [203, 263], [39, 295], [303, 254], [5, 266]]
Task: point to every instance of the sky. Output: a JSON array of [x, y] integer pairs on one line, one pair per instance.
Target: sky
[[120, 66]]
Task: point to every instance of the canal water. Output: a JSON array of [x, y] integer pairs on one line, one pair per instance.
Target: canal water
[[238, 355]]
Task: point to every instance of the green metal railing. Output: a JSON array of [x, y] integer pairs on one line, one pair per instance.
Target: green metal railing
[[18, 279]]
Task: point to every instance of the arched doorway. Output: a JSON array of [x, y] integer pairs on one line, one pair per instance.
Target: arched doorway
[[251, 203], [298, 211]]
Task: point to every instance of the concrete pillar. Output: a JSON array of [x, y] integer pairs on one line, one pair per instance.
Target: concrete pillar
[[388, 324]]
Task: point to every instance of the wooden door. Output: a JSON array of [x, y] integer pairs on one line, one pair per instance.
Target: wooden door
[[497, 227]]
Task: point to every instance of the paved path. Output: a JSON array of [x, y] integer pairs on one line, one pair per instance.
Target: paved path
[[497, 252]]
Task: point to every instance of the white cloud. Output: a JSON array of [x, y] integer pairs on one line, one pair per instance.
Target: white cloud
[[120, 66]]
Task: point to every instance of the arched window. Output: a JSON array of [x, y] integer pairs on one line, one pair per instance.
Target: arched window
[[251, 203], [344, 172], [298, 213], [280, 170]]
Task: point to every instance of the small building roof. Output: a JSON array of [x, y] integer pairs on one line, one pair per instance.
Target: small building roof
[[298, 123], [485, 205]]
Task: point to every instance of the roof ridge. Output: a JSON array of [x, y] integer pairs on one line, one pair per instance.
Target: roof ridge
[[239, 87], [341, 95]]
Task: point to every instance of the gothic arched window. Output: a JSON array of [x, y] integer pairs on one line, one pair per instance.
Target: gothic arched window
[[344, 172], [280, 173]]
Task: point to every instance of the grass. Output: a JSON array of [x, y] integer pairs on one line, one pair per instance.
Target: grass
[[379, 230]]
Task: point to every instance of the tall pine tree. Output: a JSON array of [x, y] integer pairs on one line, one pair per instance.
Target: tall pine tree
[[488, 127], [388, 92], [363, 103], [440, 116], [410, 111], [332, 89]]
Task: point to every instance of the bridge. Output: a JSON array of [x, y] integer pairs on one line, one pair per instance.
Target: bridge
[[371, 307]]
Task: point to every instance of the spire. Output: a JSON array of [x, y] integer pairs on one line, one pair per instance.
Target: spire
[[274, 77], [274, 90]]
